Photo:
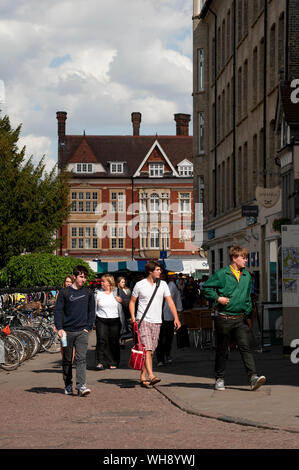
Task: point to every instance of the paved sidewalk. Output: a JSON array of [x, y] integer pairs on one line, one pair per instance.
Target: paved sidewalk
[[189, 384]]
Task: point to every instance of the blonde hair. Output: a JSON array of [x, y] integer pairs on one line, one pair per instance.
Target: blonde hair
[[110, 279]]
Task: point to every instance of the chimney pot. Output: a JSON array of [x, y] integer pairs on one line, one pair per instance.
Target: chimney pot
[[182, 123], [136, 120]]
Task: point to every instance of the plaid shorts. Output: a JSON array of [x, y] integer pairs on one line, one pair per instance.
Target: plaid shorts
[[149, 335]]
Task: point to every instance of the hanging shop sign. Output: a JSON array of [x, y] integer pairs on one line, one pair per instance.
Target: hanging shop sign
[[267, 197]]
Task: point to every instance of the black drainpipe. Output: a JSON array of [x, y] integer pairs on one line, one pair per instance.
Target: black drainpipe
[[286, 51], [234, 109], [265, 90], [215, 113]]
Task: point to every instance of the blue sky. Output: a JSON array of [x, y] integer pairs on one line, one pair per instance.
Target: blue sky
[[98, 60]]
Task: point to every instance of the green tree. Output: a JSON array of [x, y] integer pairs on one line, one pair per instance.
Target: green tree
[[33, 203], [39, 269]]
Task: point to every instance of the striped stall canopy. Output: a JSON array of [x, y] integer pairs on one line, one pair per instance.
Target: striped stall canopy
[[174, 265]]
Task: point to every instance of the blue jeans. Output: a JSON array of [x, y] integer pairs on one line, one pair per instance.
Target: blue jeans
[[79, 340], [226, 330]]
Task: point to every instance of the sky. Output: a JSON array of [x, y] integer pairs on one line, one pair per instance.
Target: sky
[[98, 60]]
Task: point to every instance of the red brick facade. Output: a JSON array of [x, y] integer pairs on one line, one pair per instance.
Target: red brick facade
[[129, 198]]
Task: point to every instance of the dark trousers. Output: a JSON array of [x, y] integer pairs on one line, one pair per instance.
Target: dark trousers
[[165, 340], [79, 340], [226, 331], [107, 347]]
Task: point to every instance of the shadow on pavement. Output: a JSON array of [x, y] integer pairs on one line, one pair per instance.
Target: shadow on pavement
[[45, 390], [121, 383]]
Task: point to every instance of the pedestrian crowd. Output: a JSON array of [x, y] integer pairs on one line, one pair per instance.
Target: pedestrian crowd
[[153, 301]]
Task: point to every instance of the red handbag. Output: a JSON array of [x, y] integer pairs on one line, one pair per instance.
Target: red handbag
[[138, 351]]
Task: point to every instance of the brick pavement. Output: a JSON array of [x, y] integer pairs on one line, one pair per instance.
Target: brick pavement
[[175, 415]]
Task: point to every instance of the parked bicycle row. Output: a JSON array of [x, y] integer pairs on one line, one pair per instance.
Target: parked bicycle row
[[24, 333]]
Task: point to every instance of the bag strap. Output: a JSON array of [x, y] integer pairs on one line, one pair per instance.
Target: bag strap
[[136, 330], [150, 301]]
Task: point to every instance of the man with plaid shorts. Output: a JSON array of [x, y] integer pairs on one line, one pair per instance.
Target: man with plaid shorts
[[150, 327]]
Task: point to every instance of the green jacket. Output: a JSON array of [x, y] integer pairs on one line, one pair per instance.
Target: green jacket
[[224, 284]]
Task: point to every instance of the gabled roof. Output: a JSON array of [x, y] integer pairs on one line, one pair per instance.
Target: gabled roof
[[156, 144], [84, 153], [131, 149], [185, 162]]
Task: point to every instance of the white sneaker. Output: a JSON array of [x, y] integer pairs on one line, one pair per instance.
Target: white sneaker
[[219, 384], [83, 391], [160, 364], [257, 381]]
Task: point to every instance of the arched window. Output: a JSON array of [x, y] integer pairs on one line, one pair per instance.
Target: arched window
[[254, 77], [272, 56], [245, 87], [154, 202]]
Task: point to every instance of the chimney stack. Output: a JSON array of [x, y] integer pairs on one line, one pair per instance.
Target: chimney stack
[[61, 117], [136, 120], [182, 123]]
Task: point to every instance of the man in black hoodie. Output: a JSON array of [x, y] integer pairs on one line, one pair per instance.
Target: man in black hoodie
[[74, 317]]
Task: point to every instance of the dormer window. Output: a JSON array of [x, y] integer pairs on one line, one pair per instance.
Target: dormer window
[[185, 168], [156, 170], [84, 168], [116, 167]]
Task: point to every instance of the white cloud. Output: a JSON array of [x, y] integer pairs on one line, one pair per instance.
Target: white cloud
[[119, 57], [37, 147]]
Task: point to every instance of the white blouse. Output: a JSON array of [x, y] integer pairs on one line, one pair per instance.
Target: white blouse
[[106, 305]]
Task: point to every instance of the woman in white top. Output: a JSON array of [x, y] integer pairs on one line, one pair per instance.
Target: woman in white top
[[108, 324]]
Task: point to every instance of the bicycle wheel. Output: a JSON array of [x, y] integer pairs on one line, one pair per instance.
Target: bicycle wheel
[[36, 340], [21, 347], [55, 346], [47, 337], [26, 340], [11, 354]]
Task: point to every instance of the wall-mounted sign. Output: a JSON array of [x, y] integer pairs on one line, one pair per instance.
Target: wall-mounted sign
[[250, 211], [267, 197]]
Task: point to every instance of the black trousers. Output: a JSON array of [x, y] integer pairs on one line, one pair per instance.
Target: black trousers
[[238, 330], [165, 340], [108, 347]]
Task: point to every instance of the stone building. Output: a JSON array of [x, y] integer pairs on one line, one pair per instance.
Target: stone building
[[242, 51], [131, 196]]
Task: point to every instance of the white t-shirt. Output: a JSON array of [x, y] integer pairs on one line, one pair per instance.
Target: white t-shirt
[[106, 305], [144, 290]]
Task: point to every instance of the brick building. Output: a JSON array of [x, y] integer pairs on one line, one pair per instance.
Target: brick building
[[243, 50], [131, 196]]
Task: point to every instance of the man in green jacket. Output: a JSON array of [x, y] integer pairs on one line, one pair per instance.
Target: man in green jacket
[[230, 289]]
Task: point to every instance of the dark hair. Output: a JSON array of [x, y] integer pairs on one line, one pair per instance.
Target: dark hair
[[151, 266], [71, 277], [80, 270]]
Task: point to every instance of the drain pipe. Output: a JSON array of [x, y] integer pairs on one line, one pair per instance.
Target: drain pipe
[[265, 92], [215, 114], [234, 109]]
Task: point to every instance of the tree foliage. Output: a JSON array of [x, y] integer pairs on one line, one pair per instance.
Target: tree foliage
[[33, 203], [39, 269]]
